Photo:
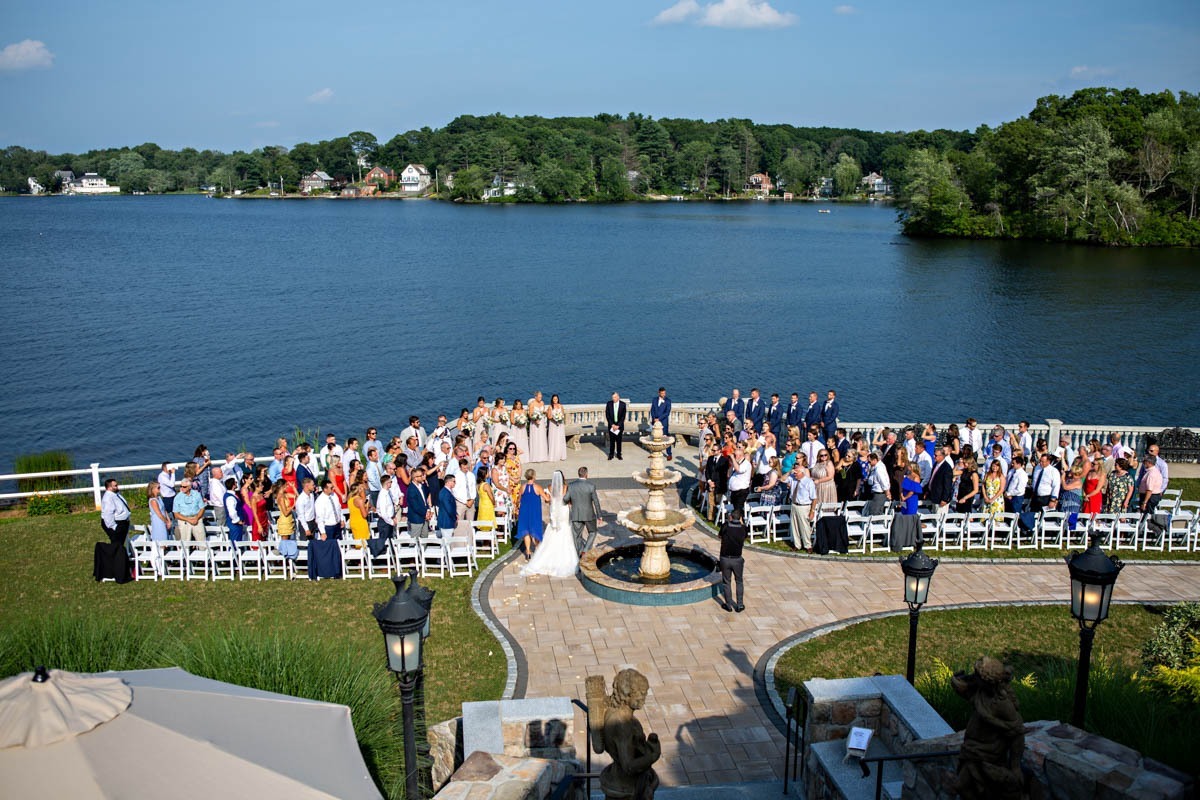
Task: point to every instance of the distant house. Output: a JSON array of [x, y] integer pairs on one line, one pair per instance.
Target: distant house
[[91, 183], [877, 185], [369, 190], [35, 187], [824, 188], [415, 178], [315, 180], [499, 188], [65, 177], [380, 175], [759, 183]]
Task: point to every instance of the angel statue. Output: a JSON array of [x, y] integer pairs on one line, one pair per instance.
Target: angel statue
[[617, 732]]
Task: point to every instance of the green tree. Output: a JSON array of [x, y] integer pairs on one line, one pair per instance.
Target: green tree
[[933, 202], [847, 175], [1074, 182], [695, 164], [1187, 177], [469, 184], [612, 184]]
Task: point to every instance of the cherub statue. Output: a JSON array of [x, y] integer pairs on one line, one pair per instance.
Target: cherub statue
[[617, 732], [989, 765]]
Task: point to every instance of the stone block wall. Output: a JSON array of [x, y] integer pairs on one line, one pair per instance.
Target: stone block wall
[[484, 776]]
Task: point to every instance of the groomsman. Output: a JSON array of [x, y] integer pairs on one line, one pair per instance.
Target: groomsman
[[660, 411], [775, 417], [754, 410], [795, 414], [614, 415], [812, 414], [737, 405], [829, 415], [447, 509]]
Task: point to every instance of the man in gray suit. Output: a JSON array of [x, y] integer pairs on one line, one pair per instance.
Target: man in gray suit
[[585, 509]]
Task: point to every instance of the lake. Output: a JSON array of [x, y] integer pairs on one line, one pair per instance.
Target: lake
[[136, 327]]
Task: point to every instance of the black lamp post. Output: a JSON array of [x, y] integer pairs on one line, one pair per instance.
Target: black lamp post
[[918, 570], [1093, 575], [404, 622]]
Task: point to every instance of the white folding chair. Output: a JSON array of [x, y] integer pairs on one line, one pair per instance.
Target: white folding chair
[[1104, 526], [197, 559], [953, 529], [354, 558], [275, 565], [223, 560], [433, 554], [723, 509], [929, 530], [1127, 531], [756, 524], [380, 566], [406, 553], [250, 563], [978, 530], [1171, 498], [300, 564], [779, 523], [1004, 529], [212, 532], [145, 560], [461, 555], [828, 509], [855, 507], [139, 532], [170, 560], [484, 538], [879, 531], [1182, 533], [1052, 530]]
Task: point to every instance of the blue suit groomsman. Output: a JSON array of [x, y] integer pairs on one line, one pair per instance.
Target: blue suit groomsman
[[775, 417], [660, 410], [829, 415], [418, 509], [737, 405], [812, 414], [795, 413], [447, 509], [755, 409]]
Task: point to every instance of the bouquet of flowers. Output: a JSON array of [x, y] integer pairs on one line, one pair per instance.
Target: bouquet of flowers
[[504, 418], [537, 416], [557, 416], [521, 420], [468, 427]]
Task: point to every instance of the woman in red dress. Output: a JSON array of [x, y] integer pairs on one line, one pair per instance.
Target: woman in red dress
[[1093, 490]]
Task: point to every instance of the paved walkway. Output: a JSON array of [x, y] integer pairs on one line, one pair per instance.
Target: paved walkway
[[700, 659]]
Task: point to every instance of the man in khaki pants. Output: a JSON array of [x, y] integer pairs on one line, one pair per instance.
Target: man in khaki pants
[[802, 492], [189, 513]]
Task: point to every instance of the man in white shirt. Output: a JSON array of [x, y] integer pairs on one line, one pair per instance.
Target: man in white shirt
[[1046, 483], [739, 477], [374, 474], [414, 429], [306, 509], [216, 496], [330, 449], [328, 511], [812, 446], [925, 464], [388, 507], [910, 444], [114, 513], [166, 485], [349, 456], [1025, 438], [465, 494], [762, 460], [440, 434], [1014, 486], [881, 486], [1064, 452], [802, 493], [972, 435]]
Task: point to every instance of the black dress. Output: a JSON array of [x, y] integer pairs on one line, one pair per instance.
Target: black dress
[[965, 487], [110, 559], [845, 480]]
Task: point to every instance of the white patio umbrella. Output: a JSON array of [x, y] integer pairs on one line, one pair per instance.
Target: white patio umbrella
[[167, 733]]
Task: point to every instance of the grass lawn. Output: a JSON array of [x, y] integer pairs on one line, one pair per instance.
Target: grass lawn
[[45, 571], [1038, 640]]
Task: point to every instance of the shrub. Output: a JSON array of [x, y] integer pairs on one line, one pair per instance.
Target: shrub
[[81, 643], [1180, 686], [1170, 646], [41, 505], [47, 461]]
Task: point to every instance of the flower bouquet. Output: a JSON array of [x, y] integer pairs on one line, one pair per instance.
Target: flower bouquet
[[504, 418], [521, 420], [536, 416], [557, 416], [468, 427]]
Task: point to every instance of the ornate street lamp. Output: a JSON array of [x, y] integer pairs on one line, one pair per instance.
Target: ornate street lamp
[[404, 622], [1093, 575], [918, 570]]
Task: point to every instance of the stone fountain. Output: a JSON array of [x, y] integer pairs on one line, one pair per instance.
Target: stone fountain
[[654, 522]]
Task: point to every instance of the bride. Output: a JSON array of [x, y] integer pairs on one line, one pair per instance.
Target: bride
[[556, 555]]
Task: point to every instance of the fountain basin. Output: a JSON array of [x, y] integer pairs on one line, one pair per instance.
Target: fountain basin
[[613, 573]]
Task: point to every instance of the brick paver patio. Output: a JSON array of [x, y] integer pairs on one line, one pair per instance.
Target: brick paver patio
[[700, 659]]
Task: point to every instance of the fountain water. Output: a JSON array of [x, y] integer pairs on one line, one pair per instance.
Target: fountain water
[[654, 522]]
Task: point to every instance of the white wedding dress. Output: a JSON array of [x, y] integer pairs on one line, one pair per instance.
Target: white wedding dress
[[556, 555]]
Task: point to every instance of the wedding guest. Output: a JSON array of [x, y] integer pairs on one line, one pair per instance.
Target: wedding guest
[[285, 525], [203, 469], [880, 484], [910, 490], [967, 473], [414, 429], [1094, 485], [529, 514], [166, 484], [1046, 483], [485, 516], [1015, 485], [216, 496], [733, 538], [303, 468], [739, 477], [372, 443], [1150, 486], [993, 488], [234, 522], [189, 513], [802, 493], [374, 473], [466, 494], [387, 510], [1120, 488], [1070, 498], [419, 505], [360, 508], [160, 517], [275, 468], [940, 490], [324, 557], [110, 560], [261, 487]]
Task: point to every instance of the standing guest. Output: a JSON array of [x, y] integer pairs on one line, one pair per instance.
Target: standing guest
[[1094, 485], [953, 441], [910, 490], [324, 557], [1160, 464], [372, 443], [1024, 438], [538, 443], [249, 468], [846, 475], [412, 452], [1014, 486], [234, 522], [1047, 485], [304, 468], [910, 443], [880, 484], [660, 411], [360, 529], [557, 437], [275, 468], [335, 474], [216, 496], [189, 513], [466, 494], [388, 508], [823, 473], [771, 490], [285, 525], [790, 451], [160, 517], [232, 468], [739, 477], [1064, 452], [719, 463], [513, 470], [888, 450], [485, 515], [1070, 498], [1119, 450], [737, 405], [993, 488], [929, 438], [529, 514], [614, 417], [763, 454], [812, 447], [733, 538], [802, 493], [203, 469], [973, 436], [900, 469], [258, 498], [246, 503], [830, 414], [374, 475], [166, 485], [110, 560], [940, 490], [519, 433], [330, 450], [288, 473], [419, 508], [350, 455], [995, 454], [794, 416], [999, 438], [968, 484], [1120, 488], [755, 411], [414, 429], [924, 462]]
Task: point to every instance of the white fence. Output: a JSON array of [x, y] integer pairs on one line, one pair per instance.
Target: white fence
[[584, 420]]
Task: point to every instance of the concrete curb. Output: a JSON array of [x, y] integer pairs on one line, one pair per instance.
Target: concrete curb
[[518, 671]]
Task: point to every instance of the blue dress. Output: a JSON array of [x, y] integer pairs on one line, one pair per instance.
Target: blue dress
[[158, 528], [529, 518]]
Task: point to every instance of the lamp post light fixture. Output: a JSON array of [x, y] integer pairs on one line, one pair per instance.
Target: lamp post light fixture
[[404, 621], [918, 570], [1093, 575]]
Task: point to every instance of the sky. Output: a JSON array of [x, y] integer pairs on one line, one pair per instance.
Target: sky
[[241, 74]]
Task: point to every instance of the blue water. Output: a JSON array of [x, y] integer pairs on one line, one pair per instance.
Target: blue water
[[136, 327]]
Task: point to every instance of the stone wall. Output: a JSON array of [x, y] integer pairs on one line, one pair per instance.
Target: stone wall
[[484, 776]]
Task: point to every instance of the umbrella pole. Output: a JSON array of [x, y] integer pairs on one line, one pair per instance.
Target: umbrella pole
[[408, 683]]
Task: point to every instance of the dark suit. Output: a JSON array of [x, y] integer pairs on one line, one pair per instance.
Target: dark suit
[[738, 407], [660, 410], [941, 484], [303, 472], [447, 510], [418, 506], [829, 418], [812, 416], [614, 415], [775, 417], [585, 510], [754, 412], [795, 416]]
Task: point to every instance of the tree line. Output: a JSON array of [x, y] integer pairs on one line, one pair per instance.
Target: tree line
[[1103, 165]]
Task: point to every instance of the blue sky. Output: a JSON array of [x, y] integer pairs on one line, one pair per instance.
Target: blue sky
[[238, 75]]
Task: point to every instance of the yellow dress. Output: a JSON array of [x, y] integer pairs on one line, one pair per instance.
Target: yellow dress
[[359, 528], [486, 512]]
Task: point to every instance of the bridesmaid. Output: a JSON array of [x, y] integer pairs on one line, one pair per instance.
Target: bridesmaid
[[500, 419], [519, 434], [557, 440], [538, 442]]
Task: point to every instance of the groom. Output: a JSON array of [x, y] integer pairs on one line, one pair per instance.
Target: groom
[[614, 415], [585, 510]]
